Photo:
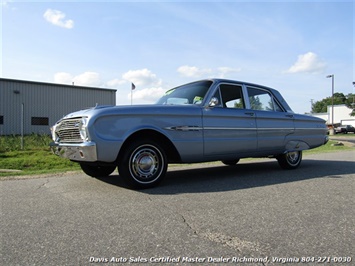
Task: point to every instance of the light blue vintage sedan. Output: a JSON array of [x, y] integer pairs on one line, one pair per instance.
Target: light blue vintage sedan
[[206, 120]]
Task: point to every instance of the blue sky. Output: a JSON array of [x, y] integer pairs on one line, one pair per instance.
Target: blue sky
[[290, 46]]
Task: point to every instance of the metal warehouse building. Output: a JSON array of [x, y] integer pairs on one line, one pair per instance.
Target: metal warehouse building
[[33, 107]]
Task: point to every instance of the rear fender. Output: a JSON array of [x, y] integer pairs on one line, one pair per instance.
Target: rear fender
[[296, 145]]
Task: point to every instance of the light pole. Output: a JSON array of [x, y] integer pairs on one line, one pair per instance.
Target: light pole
[[353, 105], [332, 76]]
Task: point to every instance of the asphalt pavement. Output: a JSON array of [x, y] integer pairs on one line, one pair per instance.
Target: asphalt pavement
[[254, 213]]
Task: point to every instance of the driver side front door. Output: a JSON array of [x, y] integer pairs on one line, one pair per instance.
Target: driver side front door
[[229, 128]]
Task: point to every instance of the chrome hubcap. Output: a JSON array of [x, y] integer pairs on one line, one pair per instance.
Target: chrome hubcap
[[293, 157], [145, 164]]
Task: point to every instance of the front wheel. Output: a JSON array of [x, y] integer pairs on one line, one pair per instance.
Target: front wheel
[[97, 170], [290, 160], [143, 164]]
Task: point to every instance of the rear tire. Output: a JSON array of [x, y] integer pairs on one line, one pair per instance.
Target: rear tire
[[290, 160], [97, 170], [143, 164]]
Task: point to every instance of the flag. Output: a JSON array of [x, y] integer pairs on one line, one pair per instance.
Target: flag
[[133, 86]]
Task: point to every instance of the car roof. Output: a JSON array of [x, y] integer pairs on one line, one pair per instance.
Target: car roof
[[275, 92]]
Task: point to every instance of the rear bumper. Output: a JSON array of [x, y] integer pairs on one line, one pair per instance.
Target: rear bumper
[[85, 152]]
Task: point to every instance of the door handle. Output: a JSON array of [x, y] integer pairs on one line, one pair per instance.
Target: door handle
[[290, 116], [250, 113]]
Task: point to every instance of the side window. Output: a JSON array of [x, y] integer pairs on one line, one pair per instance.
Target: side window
[[262, 100], [232, 96], [218, 96]]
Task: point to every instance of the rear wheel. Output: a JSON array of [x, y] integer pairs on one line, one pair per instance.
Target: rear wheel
[[143, 164], [290, 160], [97, 170]]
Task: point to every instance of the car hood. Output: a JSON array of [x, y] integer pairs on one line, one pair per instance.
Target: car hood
[[151, 109]]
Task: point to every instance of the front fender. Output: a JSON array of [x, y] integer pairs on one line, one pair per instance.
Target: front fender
[[111, 132]]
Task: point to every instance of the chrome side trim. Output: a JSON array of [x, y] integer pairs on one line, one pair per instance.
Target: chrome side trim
[[184, 128], [229, 128], [197, 128]]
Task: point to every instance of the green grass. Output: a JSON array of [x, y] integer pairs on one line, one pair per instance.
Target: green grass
[[329, 148], [36, 157], [31, 142]]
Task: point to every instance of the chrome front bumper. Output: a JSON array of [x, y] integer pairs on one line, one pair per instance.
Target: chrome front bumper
[[75, 151]]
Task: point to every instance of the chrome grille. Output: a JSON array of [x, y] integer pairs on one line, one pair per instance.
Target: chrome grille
[[68, 130]]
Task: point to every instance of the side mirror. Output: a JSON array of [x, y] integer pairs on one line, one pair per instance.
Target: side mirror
[[213, 102]]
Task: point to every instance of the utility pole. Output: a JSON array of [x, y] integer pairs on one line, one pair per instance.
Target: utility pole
[[332, 129]]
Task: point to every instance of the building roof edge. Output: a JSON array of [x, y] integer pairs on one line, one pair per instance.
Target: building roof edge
[[56, 84]]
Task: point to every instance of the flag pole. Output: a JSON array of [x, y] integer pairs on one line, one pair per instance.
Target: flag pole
[[132, 88]]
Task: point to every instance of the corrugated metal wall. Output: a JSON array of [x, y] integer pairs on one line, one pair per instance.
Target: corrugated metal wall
[[25, 103]]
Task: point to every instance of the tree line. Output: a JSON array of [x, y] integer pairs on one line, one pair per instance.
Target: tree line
[[339, 98]]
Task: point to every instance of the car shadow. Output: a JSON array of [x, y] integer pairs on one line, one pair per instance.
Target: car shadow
[[241, 176]]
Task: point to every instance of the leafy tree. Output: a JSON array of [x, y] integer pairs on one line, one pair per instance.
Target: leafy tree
[[239, 104], [350, 102], [339, 98], [255, 103]]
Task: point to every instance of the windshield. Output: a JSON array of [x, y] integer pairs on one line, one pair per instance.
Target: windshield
[[192, 93]]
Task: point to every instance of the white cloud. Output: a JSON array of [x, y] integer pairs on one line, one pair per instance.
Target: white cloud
[[195, 72], [147, 95], [192, 71], [114, 83], [308, 63], [90, 79], [148, 86], [5, 3], [63, 78], [223, 72], [58, 18], [142, 78]]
